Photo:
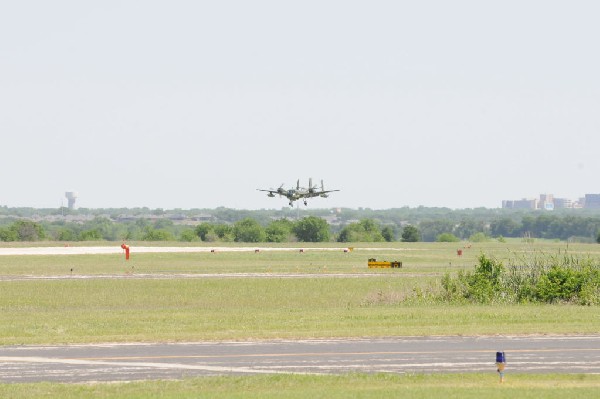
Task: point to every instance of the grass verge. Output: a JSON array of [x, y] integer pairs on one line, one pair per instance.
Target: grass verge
[[448, 386], [122, 310]]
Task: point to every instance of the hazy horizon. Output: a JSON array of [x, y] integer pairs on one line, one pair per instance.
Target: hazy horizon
[[195, 104]]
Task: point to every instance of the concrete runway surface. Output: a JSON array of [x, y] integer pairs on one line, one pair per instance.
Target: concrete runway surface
[[129, 362]]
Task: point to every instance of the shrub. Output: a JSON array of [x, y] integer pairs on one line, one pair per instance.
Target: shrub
[[411, 234], [546, 279], [483, 285], [447, 237], [188, 235], [479, 237], [157, 235]]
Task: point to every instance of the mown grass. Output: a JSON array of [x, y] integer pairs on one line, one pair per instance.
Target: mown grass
[[462, 386], [416, 257], [125, 310]]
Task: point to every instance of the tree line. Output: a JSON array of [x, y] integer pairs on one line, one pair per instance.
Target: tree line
[[308, 229]]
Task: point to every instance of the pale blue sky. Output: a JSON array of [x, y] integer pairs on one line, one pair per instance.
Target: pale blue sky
[[196, 104]]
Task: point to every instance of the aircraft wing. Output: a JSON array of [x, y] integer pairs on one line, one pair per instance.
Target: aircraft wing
[[271, 192], [317, 193], [323, 193]]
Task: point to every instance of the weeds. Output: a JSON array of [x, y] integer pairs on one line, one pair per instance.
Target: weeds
[[539, 278]]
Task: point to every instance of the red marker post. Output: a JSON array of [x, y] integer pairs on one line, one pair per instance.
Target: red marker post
[[126, 248]]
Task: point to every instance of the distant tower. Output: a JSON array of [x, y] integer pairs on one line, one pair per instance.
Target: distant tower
[[71, 197]]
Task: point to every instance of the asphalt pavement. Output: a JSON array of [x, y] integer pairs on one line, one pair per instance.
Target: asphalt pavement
[[129, 362]]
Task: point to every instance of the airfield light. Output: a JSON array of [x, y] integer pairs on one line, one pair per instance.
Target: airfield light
[[500, 364]]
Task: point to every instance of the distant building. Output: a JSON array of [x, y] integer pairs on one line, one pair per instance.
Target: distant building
[[563, 203], [592, 201], [520, 204], [548, 202]]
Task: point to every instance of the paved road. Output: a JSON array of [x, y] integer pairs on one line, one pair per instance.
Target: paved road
[[126, 362]]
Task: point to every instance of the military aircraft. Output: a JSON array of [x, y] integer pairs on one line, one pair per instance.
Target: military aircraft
[[294, 194]]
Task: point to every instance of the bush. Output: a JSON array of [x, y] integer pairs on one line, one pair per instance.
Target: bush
[[8, 235], [188, 235], [279, 231], [411, 234], [90, 235], [483, 285], [26, 230], [311, 229], [248, 230], [479, 237], [157, 235], [366, 230], [558, 284], [548, 279], [447, 237]]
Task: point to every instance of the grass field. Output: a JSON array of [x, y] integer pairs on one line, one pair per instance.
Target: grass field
[[122, 309], [448, 386], [416, 257], [70, 311]]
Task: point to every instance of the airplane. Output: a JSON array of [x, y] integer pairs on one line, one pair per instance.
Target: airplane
[[294, 194]]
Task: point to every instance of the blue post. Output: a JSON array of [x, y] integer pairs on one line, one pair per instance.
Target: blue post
[[500, 364]]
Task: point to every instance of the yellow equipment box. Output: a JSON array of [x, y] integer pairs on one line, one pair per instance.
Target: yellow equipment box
[[373, 264]]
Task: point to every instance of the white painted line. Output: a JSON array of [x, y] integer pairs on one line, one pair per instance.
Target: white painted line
[[176, 366]]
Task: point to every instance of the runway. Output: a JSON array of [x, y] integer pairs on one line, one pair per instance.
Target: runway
[[129, 362]]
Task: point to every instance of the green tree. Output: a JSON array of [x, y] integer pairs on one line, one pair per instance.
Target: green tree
[[163, 224], [224, 232], [411, 234], [279, 230], [66, 234], [431, 229], [90, 235], [248, 230], [26, 230], [388, 233], [312, 229], [7, 234], [203, 229], [151, 234], [188, 235], [479, 237], [467, 227], [505, 227], [366, 230], [347, 234]]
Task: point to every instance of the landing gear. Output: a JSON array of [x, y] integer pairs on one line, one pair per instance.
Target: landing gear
[[291, 204], [305, 203]]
